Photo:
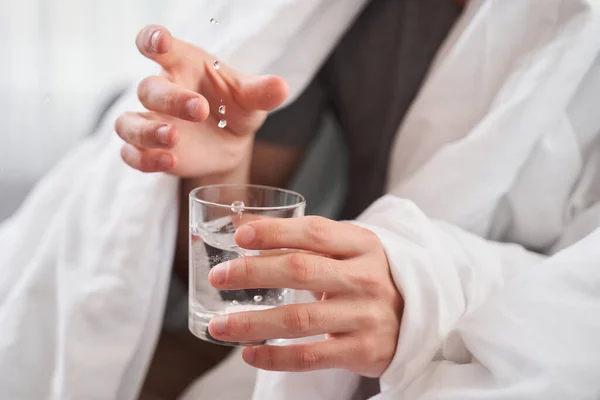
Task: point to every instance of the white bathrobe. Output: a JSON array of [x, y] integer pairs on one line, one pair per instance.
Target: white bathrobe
[[502, 144]]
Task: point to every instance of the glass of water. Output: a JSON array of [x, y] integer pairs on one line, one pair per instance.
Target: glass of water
[[215, 214]]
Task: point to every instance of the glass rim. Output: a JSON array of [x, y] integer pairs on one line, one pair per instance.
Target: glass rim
[[194, 198]]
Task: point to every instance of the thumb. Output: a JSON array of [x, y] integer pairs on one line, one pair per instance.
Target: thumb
[[263, 92]]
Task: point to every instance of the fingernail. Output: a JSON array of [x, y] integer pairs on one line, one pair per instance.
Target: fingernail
[[218, 324], [164, 162], [192, 105], [249, 355], [162, 134], [219, 272], [154, 40], [245, 235]]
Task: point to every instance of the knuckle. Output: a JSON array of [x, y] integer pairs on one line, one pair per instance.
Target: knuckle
[[371, 239], [170, 103], [269, 234], [317, 230], [148, 135], [370, 318], [307, 359], [367, 350], [268, 358], [246, 269], [300, 270], [369, 284], [389, 292], [146, 167], [241, 323], [277, 233], [147, 163], [298, 319]]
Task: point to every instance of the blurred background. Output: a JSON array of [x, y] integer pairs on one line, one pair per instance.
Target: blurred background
[[61, 61]]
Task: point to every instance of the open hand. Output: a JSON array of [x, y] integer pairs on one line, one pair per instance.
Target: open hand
[[180, 133]]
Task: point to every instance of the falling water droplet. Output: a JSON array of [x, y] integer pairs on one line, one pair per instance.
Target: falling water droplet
[[235, 302], [214, 21], [222, 123], [222, 110], [258, 298], [217, 65], [237, 207]]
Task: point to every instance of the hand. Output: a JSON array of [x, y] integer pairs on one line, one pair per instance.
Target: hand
[[180, 133], [360, 309]]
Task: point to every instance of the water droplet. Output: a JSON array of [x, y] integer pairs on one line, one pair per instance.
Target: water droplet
[[258, 298], [237, 207], [214, 21], [280, 298], [217, 65], [222, 110], [235, 302], [222, 123]]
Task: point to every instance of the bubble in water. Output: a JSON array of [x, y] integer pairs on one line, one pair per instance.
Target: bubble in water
[[214, 21], [235, 302], [222, 123], [258, 298], [237, 207], [222, 110], [217, 64]]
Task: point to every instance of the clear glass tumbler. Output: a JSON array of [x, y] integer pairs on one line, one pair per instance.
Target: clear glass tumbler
[[215, 214]]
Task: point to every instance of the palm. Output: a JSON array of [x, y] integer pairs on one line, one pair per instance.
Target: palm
[[204, 148]]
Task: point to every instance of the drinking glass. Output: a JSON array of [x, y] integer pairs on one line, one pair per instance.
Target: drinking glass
[[216, 212]]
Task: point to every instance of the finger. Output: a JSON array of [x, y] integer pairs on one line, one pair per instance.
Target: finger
[[263, 93], [137, 130], [159, 94], [156, 43], [148, 160], [292, 321], [294, 270], [327, 354], [238, 220], [316, 234]]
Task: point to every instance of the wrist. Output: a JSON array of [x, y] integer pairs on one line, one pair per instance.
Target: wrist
[[240, 175]]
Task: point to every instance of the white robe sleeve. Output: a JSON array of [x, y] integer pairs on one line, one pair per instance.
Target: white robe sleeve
[[474, 328]]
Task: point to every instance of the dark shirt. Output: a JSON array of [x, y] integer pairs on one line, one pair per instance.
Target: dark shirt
[[369, 82]]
